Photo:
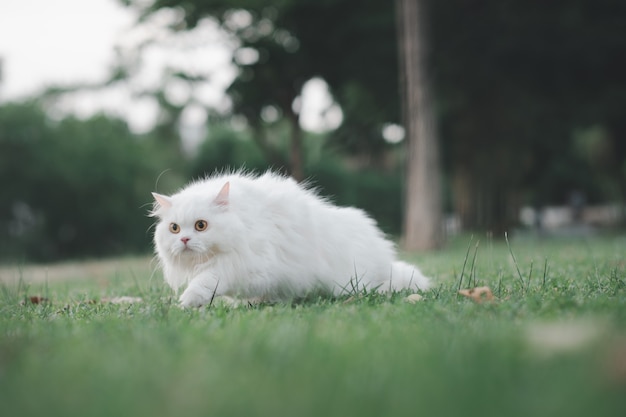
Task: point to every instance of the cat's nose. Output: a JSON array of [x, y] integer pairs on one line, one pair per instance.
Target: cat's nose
[[185, 239]]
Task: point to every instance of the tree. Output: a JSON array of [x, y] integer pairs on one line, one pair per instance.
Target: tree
[[72, 187], [422, 225], [515, 81], [281, 45], [271, 68]]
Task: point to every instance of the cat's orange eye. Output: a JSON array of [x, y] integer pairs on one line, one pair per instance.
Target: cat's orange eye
[[174, 228], [201, 225]]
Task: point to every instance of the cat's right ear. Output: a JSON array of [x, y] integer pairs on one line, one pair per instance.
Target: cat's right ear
[[162, 202], [222, 196]]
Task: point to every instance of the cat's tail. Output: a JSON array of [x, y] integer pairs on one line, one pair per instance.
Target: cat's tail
[[406, 276]]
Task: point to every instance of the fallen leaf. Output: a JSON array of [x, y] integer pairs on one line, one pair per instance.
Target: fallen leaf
[[35, 299], [413, 298], [478, 294]]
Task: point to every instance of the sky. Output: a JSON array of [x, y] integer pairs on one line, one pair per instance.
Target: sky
[[46, 43]]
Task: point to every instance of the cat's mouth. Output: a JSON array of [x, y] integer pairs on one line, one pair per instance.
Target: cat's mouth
[[187, 250], [190, 251], [202, 253]]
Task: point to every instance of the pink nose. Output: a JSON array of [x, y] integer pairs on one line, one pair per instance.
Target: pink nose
[[185, 240]]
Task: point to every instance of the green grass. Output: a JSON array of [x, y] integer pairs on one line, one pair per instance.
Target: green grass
[[364, 356]]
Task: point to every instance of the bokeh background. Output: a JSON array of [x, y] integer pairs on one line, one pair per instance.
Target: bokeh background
[[102, 102]]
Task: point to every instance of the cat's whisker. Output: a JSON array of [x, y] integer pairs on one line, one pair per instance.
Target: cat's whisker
[[152, 226]]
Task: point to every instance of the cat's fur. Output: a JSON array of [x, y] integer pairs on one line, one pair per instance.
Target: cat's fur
[[268, 237]]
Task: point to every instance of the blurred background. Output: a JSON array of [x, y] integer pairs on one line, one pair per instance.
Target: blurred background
[[102, 102]]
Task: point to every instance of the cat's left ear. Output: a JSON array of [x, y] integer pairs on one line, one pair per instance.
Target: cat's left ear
[[163, 201], [222, 196]]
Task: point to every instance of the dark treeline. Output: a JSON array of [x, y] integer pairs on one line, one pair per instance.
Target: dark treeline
[[81, 188], [529, 100], [71, 188]]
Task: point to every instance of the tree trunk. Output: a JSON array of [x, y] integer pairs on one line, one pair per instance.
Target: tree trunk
[[423, 219], [296, 158]]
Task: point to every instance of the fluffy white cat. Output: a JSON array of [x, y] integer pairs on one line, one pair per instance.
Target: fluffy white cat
[[269, 238]]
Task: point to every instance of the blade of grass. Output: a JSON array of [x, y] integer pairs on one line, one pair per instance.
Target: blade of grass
[[214, 292], [500, 283], [545, 273], [530, 274], [519, 273], [469, 245], [472, 268]]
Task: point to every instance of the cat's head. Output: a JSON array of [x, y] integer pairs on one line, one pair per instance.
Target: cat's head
[[192, 227]]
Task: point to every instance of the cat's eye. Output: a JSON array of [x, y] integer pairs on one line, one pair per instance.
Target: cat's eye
[[174, 228], [201, 225]]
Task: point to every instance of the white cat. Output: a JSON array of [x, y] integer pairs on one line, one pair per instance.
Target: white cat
[[270, 238]]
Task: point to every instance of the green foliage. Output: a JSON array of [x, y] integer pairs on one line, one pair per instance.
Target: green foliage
[[378, 193], [343, 41], [72, 188], [365, 356], [226, 149]]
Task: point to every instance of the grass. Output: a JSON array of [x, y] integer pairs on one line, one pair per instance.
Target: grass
[[553, 343]]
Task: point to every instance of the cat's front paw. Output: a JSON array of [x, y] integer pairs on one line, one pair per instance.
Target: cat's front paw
[[196, 295]]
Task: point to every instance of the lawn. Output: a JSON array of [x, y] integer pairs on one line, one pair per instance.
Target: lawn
[[552, 342]]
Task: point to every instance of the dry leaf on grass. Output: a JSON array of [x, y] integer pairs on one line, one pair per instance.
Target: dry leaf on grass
[[35, 299], [478, 294], [413, 298]]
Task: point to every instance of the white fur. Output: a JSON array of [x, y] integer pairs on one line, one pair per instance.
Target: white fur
[[269, 237]]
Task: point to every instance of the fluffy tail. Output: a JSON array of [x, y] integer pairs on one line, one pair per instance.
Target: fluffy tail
[[406, 276]]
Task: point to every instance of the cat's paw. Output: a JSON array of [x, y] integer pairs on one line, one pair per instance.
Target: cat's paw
[[237, 302], [196, 295]]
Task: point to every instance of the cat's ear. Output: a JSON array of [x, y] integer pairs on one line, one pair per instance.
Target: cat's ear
[[222, 196], [163, 201]]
